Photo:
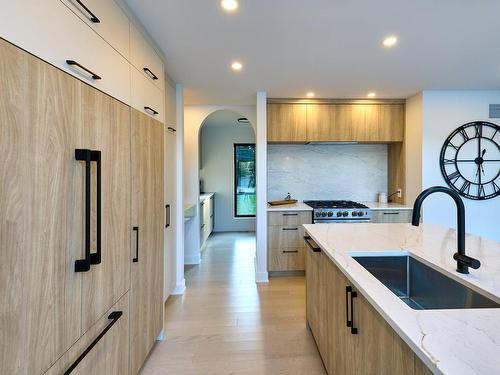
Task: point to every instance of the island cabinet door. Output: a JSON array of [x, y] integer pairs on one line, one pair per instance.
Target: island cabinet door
[[146, 307]]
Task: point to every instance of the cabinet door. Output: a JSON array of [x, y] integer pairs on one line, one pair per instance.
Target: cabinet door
[[312, 287], [147, 215], [110, 355], [286, 122], [391, 216], [107, 129], [145, 96], [41, 225]]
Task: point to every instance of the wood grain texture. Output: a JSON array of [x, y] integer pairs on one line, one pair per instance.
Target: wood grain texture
[[147, 214], [420, 367], [289, 218], [40, 229], [396, 170], [107, 129], [391, 216], [110, 355], [286, 123]]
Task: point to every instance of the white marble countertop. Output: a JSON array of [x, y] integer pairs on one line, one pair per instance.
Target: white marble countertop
[[204, 196], [299, 206], [448, 341], [387, 206]]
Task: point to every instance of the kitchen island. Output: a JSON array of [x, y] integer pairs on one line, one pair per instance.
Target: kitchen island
[[391, 335]]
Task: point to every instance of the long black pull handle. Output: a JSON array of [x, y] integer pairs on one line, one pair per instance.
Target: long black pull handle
[[149, 109], [83, 265], [95, 258], [348, 322], [92, 17], [74, 63], [354, 330], [167, 214], [114, 317], [150, 74], [313, 248], [136, 259], [291, 214], [290, 228]]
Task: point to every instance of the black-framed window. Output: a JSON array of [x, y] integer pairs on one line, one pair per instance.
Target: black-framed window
[[245, 204]]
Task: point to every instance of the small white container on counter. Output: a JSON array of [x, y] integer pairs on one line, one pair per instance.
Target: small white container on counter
[[382, 197]]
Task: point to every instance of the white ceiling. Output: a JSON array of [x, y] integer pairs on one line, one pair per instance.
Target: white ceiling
[[332, 47]]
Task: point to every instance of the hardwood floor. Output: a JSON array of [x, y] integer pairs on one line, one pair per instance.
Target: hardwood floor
[[227, 324]]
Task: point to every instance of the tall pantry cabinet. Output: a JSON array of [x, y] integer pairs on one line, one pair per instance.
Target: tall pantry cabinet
[[79, 171]]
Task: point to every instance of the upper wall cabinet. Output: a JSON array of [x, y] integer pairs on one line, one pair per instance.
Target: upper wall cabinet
[[377, 122], [286, 122], [145, 59], [107, 19]]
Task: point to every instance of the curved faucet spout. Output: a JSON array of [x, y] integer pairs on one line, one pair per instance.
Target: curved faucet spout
[[463, 261]]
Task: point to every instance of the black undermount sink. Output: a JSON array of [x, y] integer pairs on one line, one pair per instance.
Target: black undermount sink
[[420, 286]]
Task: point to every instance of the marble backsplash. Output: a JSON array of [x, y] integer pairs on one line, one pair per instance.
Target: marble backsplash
[[355, 172]]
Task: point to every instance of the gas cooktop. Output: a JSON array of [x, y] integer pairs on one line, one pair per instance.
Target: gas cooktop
[[339, 212], [334, 204]]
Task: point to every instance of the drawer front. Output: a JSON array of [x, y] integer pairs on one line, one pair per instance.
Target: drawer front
[[145, 58], [49, 30], [113, 25], [288, 218], [146, 97], [110, 353], [285, 237], [391, 216], [288, 259]]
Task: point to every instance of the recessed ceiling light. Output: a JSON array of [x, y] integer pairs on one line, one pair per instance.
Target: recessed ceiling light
[[371, 95], [310, 94], [236, 66], [229, 5], [390, 41]]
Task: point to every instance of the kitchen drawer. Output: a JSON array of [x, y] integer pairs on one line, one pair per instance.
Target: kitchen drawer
[[289, 217], [146, 95], [113, 25], [109, 355], [287, 259], [391, 216], [145, 58], [285, 237], [49, 30]]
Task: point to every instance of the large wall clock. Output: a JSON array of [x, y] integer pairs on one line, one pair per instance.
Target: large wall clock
[[470, 160]]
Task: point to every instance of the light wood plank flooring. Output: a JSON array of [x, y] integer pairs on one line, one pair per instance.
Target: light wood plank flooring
[[227, 324]]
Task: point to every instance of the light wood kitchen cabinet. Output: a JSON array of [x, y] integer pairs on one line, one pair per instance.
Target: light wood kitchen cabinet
[[358, 340], [286, 122], [285, 243], [206, 218], [146, 291], [335, 122], [391, 216]]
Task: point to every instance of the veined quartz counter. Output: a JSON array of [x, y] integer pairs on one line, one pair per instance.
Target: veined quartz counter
[[465, 341], [299, 206]]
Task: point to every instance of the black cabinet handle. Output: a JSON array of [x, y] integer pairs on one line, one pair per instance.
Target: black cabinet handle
[[136, 259], [173, 130], [316, 249], [354, 330], [83, 265], [167, 216], [95, 258], [348, 290], [92, 17], [391, 213], [150, 74], [114, 317], [290, 251], [149, 109], [74, 63], [290, 228], [295, 214], [203, 226]]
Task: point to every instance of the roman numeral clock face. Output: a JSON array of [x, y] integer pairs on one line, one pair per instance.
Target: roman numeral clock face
[[470, 160]]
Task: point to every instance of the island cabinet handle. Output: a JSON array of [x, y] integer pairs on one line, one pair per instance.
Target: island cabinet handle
[[114, 317], [348, 289], [354, 330], [315, 249]]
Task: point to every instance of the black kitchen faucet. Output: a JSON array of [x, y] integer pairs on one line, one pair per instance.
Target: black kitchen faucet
[[463, 261]]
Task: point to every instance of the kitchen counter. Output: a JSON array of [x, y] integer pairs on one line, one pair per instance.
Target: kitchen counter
[[299, 206], [387, 206], [465, 341]]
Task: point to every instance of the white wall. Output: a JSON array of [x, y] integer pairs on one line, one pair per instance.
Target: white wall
[[217, 171], [443, 112], [353, 172], [193, 119]]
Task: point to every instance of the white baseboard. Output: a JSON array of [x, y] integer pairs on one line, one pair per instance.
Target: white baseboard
[[261, 277], [192, 259], [161, 336], [179, 288]]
